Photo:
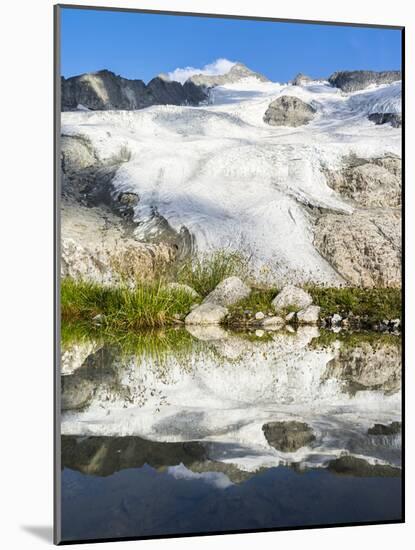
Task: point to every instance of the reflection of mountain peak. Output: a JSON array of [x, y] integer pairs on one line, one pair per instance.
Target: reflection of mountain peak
[[237, 72]]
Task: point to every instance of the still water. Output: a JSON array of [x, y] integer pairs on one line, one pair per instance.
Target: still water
[[179, 432]]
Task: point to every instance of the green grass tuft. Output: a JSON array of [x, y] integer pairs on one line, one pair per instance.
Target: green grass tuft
[[205, 272], [147, 305], [373, 303]]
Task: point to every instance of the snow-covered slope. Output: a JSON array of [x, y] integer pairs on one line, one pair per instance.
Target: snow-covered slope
[[233, 181]]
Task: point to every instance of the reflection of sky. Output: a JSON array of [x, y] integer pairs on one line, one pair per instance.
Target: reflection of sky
[[147, 502], [217, 479]]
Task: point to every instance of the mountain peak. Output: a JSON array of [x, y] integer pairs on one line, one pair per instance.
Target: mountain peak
[[237, 72]]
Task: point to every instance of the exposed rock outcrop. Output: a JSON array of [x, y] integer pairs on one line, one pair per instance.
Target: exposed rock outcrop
[[350, 81], [394, 119], [236, 73], [301, 79], [288, 436], [289, 111], [370, 183], [105, 90], [364, 247], [389, 429]]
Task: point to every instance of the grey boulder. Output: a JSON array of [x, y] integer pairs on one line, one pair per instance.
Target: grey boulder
[[292, 297], [206, 314], [228, 292], [289, 111]]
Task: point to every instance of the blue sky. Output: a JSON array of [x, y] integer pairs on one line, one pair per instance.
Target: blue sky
[[137, 45]]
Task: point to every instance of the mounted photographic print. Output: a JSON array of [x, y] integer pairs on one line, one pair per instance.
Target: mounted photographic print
[[228, 274]]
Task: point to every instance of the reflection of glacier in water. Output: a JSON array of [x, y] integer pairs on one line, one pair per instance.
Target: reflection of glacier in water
[[230, 386], [230, 433]]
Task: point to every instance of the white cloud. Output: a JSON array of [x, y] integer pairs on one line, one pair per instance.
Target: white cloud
[[220, 66]]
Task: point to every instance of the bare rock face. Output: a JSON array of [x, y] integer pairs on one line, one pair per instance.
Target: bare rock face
[[288, 436], [228, 292], [364, 247], [206, 314], [238, 72], [291, 297], [104, 90], [350, 81], [301, 79], [370, 183], [385, 429], [289, 111], [394, 119]]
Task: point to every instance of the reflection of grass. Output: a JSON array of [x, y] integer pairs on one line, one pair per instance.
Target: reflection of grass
[[350, 340], [122, 308], [155, 343], [374, 303], [204, 273]]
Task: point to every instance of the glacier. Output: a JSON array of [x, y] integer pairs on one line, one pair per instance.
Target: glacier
[[236, 183]]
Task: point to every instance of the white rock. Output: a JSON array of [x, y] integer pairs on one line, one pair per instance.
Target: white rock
[[336, 319], [228, 292], [259, 316], [309, 315], [290, 316], [292, 296], [273, 322], [207, 333], [184, 288], [206, 314], [260, 333]]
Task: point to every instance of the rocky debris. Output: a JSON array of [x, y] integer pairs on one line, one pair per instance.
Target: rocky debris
[[301, 79], [206, 314], [288, 436], [128, 199], [259, 315], [385, 429], [238, 72], [394, 119], [350, 81], [105, 90], [367, 367], [310, 315], [290, 317], [348, 465], [228, 292], [291, 297], [370, 183], [289, 111], [363, 247], [183, 288], [273, 322]]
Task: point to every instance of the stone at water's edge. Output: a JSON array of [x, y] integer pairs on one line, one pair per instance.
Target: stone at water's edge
[[206, 314], [309, 316], [288, 436], [292, 297], [273, 322], [228, 292]]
